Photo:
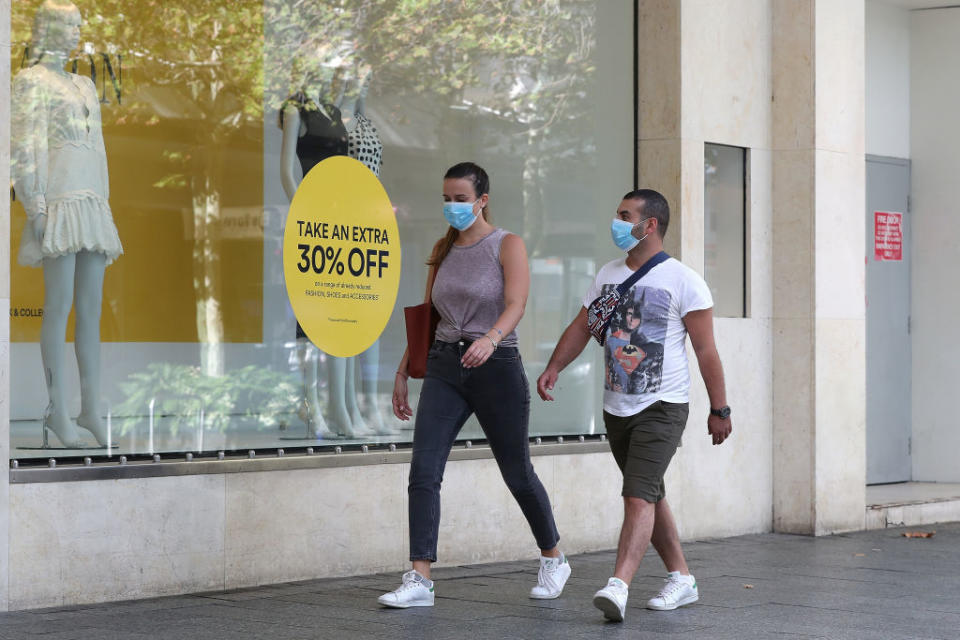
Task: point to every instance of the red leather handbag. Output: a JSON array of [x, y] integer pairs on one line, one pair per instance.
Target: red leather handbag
[[421, 322]]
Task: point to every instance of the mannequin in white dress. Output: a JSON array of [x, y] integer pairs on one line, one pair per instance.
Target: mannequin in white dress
[[59, 173]]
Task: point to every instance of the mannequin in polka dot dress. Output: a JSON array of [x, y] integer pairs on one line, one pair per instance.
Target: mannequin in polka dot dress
[[363, 143]]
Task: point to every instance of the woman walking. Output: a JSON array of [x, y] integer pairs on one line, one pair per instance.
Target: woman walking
[[479, 281]]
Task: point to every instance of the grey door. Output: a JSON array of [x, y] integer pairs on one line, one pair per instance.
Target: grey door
[[889, 382]]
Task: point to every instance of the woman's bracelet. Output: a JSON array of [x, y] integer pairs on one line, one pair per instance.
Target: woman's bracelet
[[495, 344], [401, 373]]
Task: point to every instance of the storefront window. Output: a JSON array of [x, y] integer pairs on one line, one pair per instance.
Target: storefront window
[[725, 219], [152, 188]]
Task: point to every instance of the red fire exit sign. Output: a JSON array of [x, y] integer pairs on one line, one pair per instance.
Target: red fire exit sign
[[887, 235]]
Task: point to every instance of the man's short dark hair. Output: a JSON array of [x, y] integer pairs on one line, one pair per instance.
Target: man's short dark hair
[[654, 206]]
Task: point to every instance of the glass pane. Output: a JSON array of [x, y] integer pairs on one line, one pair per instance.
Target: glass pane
[[178, 106], [724, 220]]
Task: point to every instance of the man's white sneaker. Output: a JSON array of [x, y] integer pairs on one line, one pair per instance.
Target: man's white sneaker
[[414, 592], [553, 574], [612, 599], [678, 591]]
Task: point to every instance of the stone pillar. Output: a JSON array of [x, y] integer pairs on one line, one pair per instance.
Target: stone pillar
[[659, 110], [818, 266], [5, 309]]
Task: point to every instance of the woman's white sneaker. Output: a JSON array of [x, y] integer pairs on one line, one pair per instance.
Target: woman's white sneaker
[[414, 592], [553, 574], [678, 591], [612, 599]]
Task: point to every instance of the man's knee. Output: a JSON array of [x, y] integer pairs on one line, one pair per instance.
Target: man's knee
[[634, 504]]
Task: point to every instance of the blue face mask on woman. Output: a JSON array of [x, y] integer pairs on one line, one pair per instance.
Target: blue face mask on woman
[[459, 214], [621, 231]]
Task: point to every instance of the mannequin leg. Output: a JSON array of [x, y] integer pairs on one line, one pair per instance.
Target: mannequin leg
[[309, 411], [88, 303], [57, 299], [350, 396], [369, 372], [337, 406]]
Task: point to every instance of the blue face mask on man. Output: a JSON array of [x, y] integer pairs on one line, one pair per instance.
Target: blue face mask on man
[[459, 214], [622, 233]]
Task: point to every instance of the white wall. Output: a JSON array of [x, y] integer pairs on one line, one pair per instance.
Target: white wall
[[935, 153], [76, 542], [888, 79]]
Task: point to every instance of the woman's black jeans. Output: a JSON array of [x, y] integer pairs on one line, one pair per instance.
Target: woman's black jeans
[[498, 393]]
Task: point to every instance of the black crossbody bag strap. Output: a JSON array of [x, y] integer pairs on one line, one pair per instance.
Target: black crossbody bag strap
[[624, 286]]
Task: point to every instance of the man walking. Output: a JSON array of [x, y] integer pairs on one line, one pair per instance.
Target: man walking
[[646, 417]]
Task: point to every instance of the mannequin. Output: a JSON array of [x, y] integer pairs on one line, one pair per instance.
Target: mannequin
[[313, 131], [59, 172], [363, 144]]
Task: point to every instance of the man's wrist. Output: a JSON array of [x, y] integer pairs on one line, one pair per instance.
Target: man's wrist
[[723, 412]]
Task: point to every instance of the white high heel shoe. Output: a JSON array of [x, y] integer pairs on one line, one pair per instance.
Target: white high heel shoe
[[66, 433], [95, 426]]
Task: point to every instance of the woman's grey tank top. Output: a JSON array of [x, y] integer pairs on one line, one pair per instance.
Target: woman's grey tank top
[[468, 291]]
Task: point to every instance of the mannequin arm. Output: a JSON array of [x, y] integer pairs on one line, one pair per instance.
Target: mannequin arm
[[288, 150], [28, 148]]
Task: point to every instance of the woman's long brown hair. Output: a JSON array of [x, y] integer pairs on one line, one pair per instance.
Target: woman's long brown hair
[[481, 185]]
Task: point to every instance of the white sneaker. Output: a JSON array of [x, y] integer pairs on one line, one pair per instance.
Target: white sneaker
[[553, 574], [414, 592], [612, 599], [678, 591]]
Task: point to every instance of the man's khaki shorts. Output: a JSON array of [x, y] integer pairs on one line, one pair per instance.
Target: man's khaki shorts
[[643, 445]]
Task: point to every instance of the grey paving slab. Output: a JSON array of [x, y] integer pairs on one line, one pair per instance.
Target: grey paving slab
[[874, 585]]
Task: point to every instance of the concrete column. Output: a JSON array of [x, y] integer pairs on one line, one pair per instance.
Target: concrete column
[[5, 309], [818, 265], [659, 79]]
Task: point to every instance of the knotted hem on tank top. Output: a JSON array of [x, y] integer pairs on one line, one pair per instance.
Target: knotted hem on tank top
[[469, 291]]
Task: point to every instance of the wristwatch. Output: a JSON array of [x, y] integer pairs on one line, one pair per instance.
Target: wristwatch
[[722, 412]]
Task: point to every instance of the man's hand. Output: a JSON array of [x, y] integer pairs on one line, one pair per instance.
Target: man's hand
[[699, 326], [719, 428], [545, 383], [575, 337]]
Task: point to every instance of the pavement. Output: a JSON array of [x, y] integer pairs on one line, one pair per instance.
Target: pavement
[[874, 585]]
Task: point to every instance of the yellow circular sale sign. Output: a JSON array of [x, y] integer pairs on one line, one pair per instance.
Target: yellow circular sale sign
[[341, 256]]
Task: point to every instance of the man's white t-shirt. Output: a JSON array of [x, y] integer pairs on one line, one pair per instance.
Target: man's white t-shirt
[[645, 357]]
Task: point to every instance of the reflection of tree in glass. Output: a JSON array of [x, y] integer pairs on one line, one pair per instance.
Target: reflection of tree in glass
[[525, 64]]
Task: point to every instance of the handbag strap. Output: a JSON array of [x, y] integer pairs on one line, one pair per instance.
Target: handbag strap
[[624, 286]]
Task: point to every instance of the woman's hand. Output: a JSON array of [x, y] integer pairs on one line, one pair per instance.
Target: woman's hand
[[478, 353], [401, 408]]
